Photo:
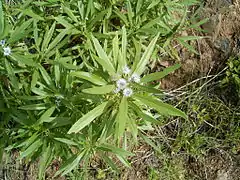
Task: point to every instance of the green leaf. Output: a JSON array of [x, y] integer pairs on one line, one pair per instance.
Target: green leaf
[[71, 164], [147, 140], [89, 77], [130, 12], [58, 39], [46, 77], [189, 38], [25, 59], [115, 150], [121, 16], [143, 115], [186, 45], [39, 92], [31, 149], [44, 162], [103, 58], [98, 17], [65, 23], [159, 75], [30, 13], [124, 161], [147, 89], [115, 43], [64, 62], [35, 78], [87, 118], [31, 98], [139, 6], [1, 19], [66, 141], [11, 75], [99, 90], [122, 117], [20, 32], [123, 60], [46, 115], [48, 36], [35, 106], [146, 56], [70, 14], [162, 108], [110, 162]]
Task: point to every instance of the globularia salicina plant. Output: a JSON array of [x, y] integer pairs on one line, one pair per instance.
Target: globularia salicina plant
[[59, 102]]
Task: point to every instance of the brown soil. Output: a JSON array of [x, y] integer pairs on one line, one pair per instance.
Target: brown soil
[[222, 41]]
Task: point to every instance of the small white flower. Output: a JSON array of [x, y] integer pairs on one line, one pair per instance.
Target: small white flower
[[6, 51], [117, 90], [135, 78], [126, 70], [121, 83], [2, 42], [127, 92]]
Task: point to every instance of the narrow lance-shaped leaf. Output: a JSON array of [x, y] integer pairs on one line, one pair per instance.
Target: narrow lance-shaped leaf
[[89, 77], [35, 78], [104, 59], [31, 149], [122, 117], [87, 118], [115, 50], [20, 32], [58, 39], [100, 90], [159, 75], [66, 141], [11, 75], [45, 158], [70, 13], [23, 59], [123, 61], [1, 19], [162, 108], [48, 36], [46, 76], [46, 115], [35, 106], [115, 150], [29, 12], [146, 56], [188, 46], [71, 164]]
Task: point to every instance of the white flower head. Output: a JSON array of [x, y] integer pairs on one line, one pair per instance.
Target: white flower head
[[126, 70], [135, 78], [117, 90], [2, 42], [6, 51], [127, 92], [121, 83]]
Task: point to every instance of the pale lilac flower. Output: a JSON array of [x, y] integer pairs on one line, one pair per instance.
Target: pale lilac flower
[[135, 78], [121, 83], [6, 51], [2, 42], [127, 92], [126, 70]]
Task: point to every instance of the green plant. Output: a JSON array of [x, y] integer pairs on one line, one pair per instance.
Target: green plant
[[84, 99], [233, 74]]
